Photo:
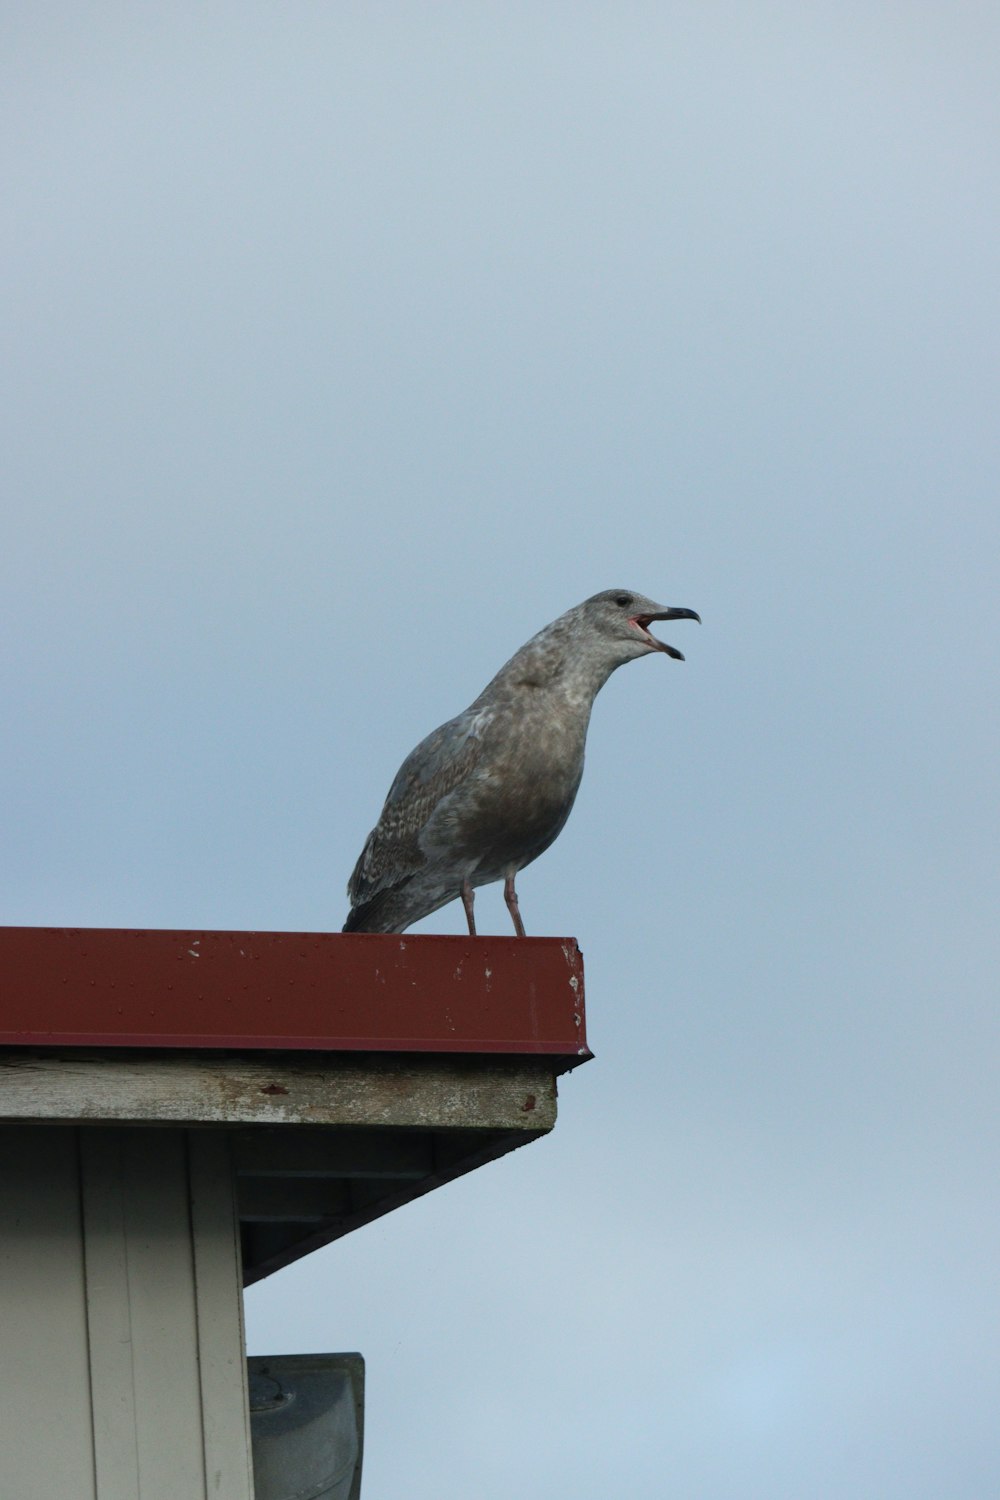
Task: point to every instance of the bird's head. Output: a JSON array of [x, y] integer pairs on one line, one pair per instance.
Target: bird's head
[[623, 617]]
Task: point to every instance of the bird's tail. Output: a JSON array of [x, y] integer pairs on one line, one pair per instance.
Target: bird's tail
[[359, 919], [380, 914]]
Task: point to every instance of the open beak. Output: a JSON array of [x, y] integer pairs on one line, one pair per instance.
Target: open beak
[[643, 622]]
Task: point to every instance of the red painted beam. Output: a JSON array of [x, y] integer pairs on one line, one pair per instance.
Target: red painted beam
[[99, 987]]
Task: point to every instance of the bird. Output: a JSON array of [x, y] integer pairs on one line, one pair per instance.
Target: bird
[[486, 793]]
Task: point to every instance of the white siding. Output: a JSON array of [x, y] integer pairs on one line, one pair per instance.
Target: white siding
[[46, 1444], [121, 1301]]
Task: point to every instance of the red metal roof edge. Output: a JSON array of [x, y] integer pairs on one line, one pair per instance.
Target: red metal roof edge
[[239, 1042], [291, 991]]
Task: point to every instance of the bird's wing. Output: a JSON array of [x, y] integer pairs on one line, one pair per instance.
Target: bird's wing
[[393, 851]]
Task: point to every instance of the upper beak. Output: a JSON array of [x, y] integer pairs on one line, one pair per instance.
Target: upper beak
[[643, 622]]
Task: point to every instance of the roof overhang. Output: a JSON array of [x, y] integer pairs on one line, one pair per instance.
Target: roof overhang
[[352, 1073]]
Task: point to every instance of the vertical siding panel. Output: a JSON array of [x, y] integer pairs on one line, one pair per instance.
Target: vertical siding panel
[[45, 1437], [219, 1302], [109, 1315], [121, 1316], [164, 1326]]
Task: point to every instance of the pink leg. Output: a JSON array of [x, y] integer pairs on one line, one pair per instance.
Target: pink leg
[[468, 898], [510, 896]]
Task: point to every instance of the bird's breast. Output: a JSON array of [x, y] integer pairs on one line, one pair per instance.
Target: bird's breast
[[515, 803]]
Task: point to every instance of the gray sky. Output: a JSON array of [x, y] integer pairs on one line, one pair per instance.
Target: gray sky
[[345, 346]]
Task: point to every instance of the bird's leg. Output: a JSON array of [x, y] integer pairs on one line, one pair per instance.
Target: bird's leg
[[510, 896], [468, 898]]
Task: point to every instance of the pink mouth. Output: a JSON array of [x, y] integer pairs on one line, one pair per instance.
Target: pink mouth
[[641, 623]]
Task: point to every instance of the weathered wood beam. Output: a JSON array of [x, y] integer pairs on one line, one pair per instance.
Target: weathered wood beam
[[508, 1094]]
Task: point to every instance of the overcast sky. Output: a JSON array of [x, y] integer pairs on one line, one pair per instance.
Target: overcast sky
[[345, 346]]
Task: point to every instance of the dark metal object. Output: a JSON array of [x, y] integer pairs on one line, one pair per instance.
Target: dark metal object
[[307, 1425]]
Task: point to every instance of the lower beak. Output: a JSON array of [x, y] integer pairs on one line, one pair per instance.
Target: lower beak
[[644, 621]]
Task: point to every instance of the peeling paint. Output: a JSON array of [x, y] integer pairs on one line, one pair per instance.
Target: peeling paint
[[311, 990]]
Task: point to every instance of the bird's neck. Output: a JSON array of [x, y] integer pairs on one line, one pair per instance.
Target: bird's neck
[[556, 667]]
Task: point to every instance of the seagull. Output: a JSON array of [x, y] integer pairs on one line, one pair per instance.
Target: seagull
[[487, 793]]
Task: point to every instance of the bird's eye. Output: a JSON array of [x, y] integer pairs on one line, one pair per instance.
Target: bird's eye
[[624, 600]]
